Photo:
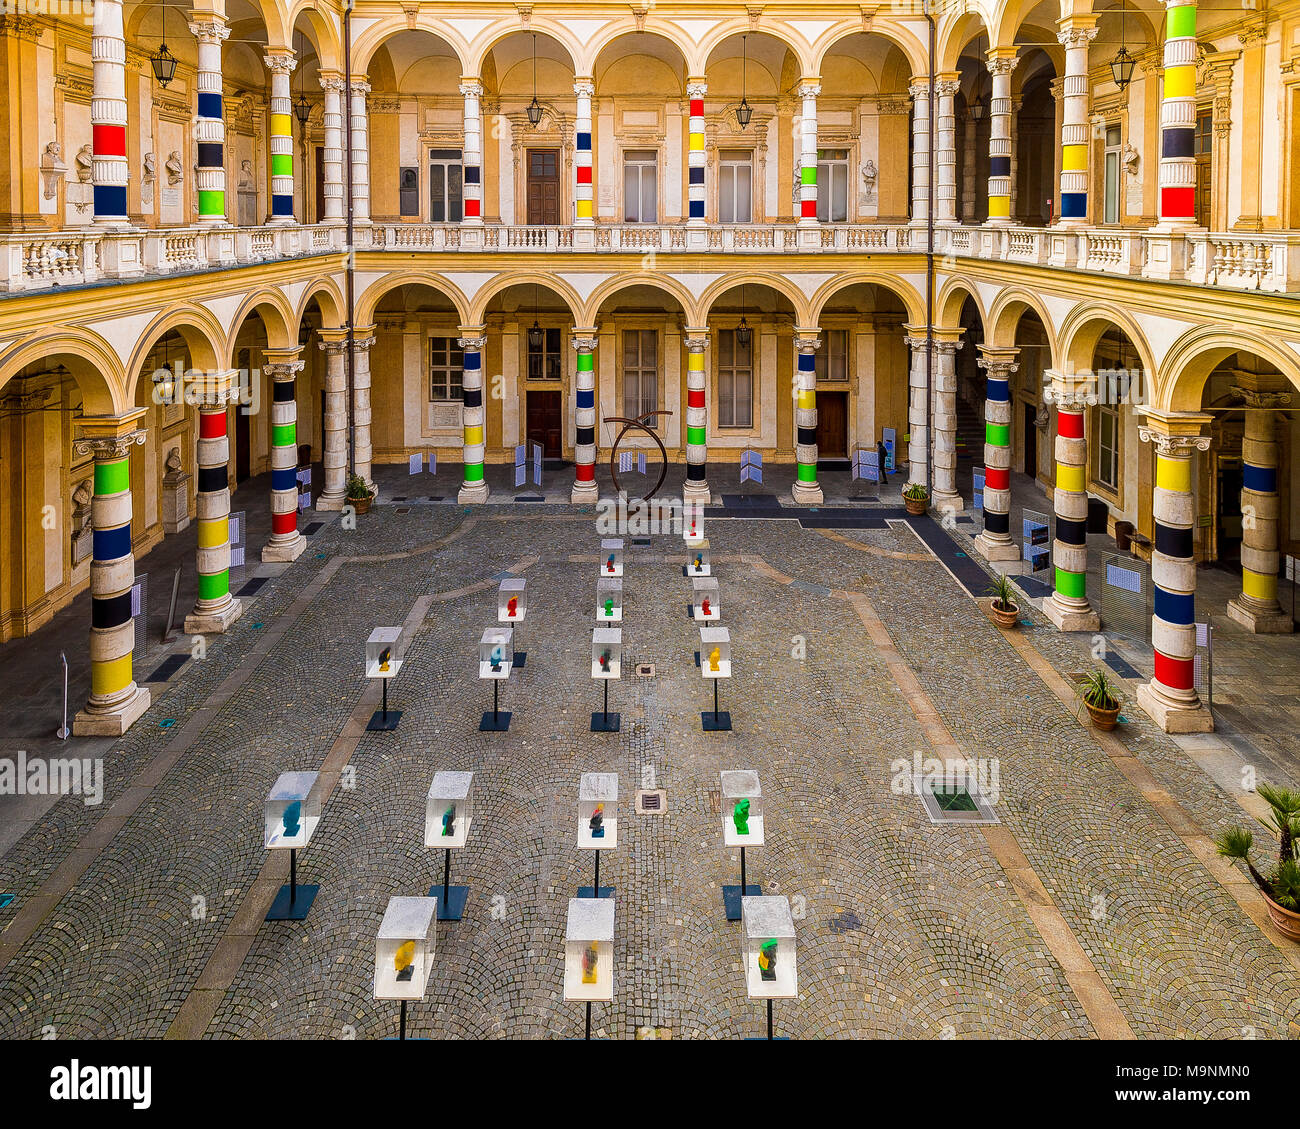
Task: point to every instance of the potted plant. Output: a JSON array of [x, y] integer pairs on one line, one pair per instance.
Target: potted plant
[[1282, 889], [916, 497], [1005, 609], [359, 494], [1101, 697]]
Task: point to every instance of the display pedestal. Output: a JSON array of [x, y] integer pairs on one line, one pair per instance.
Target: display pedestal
[[293, 901], [383, 720], [596, 890], [451, 899], [496, 721], [718, 721], [731, 895], [605, 722]]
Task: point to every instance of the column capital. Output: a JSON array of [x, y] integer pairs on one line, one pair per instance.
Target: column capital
[[471, 86], [283, 370], [280, 60], [585, 338], [1076, 31], [696, 338], [919, 85], [1176, 434], [807, 338], [332, 81], [696, 87], [209, 27], [110, 437], [584, 85], [1254, 398], [1002, 60], [947, 84], [810, 87], [998, 361], [360, 86], [332, 340], [1069, 391], [951, 337], [472, 337], [213, 389]]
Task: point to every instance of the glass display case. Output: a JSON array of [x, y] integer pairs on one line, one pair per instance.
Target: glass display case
[[449, 809], [768, 948], [589, 950], [291, 812], [705, 607], [609, 600], [598, 811], [611, 557], [404, 948], [384, 652]]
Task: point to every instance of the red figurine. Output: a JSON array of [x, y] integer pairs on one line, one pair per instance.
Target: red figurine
[[512, 607], [705, 606], [609, 564]]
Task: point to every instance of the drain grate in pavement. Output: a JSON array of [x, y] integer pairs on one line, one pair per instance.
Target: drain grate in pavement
[[529, 498], [169, 666], [313, 527], [957, 799], [401, 509], [252, 586], [651, 802], [715, 801], [645, 670]]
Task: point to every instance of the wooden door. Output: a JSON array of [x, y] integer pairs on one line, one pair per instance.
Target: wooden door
[[832, 425], [543, 186], [545, 423]]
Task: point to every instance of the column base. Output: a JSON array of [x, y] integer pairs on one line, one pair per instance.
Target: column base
[[807, 493], [697, 492], [1071, 619], [282, 551], [213, 622], [113, 722], [584, 492], [994, 550], [472, 493], [952, 502], [1173, 718], [1261, 622], [331, 502]]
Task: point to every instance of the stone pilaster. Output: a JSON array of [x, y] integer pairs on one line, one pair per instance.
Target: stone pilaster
[[1068, 606], [287, 541], [696, 487], [216, 609], [995, 541], [472, 342], [807, 490]]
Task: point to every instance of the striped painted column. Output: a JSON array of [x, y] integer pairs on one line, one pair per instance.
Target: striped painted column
[[1001, 62], [1068, 606], [108, 113], [332, 153], [283, 367], [334, 344], [807, 490], [945, 157], [362, 450], [473, 414], [696, 157], [360, 151], [1075, 38], [943, 494], [115, 699], [583, 215], [210, 127], [995, 542], [1257, 608], [808, 91], [584, 443], [920, 91], [1178, 117], [696, 487], [280, 62], [1170, 697], [918, 431], [216, 609], [471, 90]]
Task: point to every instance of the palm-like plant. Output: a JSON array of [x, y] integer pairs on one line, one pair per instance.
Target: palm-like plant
[[916, 491], [1284, 820], [1098, 690], [1004, 595]]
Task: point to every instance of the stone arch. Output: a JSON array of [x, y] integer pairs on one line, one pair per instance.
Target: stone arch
[[952, 297], [552, 30], [96, 367], [196, 325], [956, 32], [333, 306], [913, 49], [370, 298], [1198, 352], [276, 315], [626, 33], [1004, 318], [913, 302], [656, 280], [1082, 329], [503, 282], [374, 37], [329, 49], [781, 285], [796, 46]]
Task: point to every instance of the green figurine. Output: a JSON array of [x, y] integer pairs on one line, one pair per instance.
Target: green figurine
[[767, 960], [609, 605], [740, 816]]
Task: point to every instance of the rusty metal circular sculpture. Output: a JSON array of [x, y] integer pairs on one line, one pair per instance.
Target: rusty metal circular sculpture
[[628, 424]]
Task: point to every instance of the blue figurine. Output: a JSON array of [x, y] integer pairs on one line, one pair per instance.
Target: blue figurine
[[449, 818], [292, 818]]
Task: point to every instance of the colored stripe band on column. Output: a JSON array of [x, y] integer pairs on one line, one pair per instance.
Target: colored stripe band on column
[[1173, 607], [1070, 531], [995, 522], [1173, 542], [1261, 479], [110, 611], [1073, 584], [1178, 674], [112, 478], [213, 478], [1070, 424], [212, 425], [214, 585]]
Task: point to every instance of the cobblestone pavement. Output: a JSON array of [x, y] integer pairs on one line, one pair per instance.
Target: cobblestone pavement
[[905, 928]]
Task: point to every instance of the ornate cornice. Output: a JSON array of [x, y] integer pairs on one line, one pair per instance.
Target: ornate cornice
[[109, 448], [1175, 446]]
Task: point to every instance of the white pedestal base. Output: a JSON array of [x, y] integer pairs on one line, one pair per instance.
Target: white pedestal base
[[213, 623], [1274, 622], [474, 493], [1174, 719], [114, 722], [951, 502], [993, 550], [1071, 619], [330, 502], [584, 492], [284, 550], [806, 494], [697, 492]]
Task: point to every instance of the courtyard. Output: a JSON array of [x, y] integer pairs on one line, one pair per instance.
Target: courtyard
[[1095, 905]]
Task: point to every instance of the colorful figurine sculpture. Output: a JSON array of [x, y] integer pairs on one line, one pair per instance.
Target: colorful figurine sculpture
[[740, 817], [448, 820], [767, 960], [404, 961], [609, 605], [383, 659], [609, 564], [292, 819], [704, 606], [498, 653], [699, 562], [605, 657], [512, 607], [589, 964], [596, 825], [714, 656], [692, 527]]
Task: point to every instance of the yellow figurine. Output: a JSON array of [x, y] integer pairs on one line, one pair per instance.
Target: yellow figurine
[[383, 659], [714, 656], [589, 965], [404, 961]]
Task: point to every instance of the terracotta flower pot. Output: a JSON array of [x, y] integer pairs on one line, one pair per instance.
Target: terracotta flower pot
[[1103, 719], [361, 505], [1287, 922], [1006, 617], [916, 505]]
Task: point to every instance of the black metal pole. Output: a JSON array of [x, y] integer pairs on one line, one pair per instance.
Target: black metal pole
[[495, 687], [588, 1035], [401, 1024], [384, 708], [769, 1020], [293, 874], [605, 715], [446, 876], [595, 890], [742, 872], [715, 701]]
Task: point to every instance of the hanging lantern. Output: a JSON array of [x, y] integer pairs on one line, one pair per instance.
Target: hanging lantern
[[535, 337], [302, 110], [1121, 67], [743, 333], [534, 107], [164, 65], [744, 111]]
